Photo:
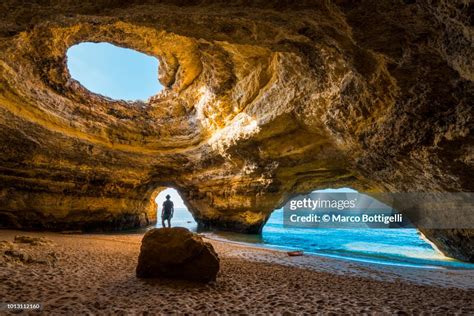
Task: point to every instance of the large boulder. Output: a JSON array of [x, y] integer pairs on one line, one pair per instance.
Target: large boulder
[[177, 253]]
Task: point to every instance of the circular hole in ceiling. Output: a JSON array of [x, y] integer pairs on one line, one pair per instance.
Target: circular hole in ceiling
[[115, 72]]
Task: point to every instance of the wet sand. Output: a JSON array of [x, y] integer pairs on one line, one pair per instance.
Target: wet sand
[[95, 274]]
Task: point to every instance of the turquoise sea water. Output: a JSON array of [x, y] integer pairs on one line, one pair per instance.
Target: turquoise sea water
[[403, 247]]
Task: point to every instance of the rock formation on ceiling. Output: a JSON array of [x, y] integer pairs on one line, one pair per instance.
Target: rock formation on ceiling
[[263, 100]]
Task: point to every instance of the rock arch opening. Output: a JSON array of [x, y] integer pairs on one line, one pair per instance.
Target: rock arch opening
[[182, 216], [251, 113], [403, 246], [115, 72]]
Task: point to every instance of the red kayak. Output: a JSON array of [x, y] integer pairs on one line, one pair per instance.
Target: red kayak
[[295, 253]]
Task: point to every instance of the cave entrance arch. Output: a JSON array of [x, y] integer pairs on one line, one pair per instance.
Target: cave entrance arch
[[404, 246], [182, 216]]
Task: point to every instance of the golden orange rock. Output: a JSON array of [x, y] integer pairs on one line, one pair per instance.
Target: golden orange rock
[[263, 100]]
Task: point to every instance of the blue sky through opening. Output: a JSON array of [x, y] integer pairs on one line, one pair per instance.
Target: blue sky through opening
[[115, 72]]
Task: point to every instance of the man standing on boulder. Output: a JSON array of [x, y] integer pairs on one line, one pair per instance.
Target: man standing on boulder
[[167, 211]]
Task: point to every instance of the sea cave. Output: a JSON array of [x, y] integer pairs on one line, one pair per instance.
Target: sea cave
[[248, 105]]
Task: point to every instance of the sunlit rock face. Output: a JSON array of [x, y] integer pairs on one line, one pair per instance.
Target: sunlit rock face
[[263, 100]]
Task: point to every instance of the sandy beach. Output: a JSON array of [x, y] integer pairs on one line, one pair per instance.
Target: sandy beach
[[95, 274]]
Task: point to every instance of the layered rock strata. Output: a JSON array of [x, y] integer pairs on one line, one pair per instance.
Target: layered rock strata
[[263, 100]]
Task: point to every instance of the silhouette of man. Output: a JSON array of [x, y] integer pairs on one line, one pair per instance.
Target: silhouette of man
[[167, 211]]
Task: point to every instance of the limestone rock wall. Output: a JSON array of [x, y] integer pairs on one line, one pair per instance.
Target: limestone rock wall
[[263, 100]]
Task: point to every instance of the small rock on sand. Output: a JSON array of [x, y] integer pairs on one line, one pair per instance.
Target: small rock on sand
[[23, 250], [34, 241]]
